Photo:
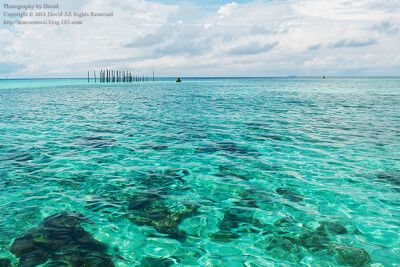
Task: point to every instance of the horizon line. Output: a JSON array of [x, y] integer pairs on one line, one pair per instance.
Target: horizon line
[[220, 77]]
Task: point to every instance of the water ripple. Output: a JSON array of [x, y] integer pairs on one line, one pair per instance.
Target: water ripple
[[230, 172]]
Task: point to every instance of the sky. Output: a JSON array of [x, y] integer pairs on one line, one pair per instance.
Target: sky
[[208, 38]]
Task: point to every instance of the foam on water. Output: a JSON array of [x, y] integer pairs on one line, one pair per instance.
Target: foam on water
[[226, 172]]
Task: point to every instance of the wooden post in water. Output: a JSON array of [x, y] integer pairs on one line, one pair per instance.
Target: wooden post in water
[[94, 76], [88, 76], [153, 75]]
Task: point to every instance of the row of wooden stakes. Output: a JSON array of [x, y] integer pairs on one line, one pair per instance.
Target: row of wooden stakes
[[115, 76]]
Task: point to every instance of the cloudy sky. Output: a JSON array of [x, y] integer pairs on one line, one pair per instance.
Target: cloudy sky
[[209, 38]]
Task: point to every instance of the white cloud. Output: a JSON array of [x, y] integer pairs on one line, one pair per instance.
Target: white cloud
[[227, 9], [260, 38]]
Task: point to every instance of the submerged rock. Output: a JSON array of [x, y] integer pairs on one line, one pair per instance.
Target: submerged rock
[[61, 238], [287, 221], [5, 262], [164, 178], [158, 262], [391, 177], [332, 227], [176, 172], [281, 248], [232, 148], [350, 256], [247, 198], [104, 205], [228, 147], [159, 148], [149, 208], [206, 149], [289, 194], [224, 236], [233, 218], [317, 240], [236, 172], [95, 141]]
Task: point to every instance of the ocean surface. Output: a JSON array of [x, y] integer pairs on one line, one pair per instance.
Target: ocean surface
[[207, 172]]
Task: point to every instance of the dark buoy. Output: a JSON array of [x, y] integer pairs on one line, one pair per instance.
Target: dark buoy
[[178, 80]]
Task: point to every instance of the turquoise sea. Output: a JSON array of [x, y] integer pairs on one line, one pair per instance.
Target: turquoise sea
[[207, 172]]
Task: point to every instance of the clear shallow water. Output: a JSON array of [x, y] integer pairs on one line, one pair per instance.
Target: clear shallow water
[[227, 172]]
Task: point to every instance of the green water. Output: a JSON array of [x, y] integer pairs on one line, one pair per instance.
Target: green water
[[208, 172]]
